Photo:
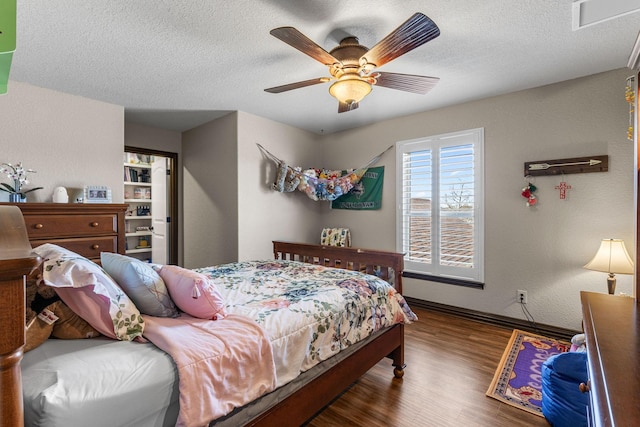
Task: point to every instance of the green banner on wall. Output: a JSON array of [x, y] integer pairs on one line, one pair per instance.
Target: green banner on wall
[[366, 195]]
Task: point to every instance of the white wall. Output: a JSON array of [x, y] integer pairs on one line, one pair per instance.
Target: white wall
[[142, 136], [231, 214], [265, 215], [210, 193], [541, 249], [69, 140]]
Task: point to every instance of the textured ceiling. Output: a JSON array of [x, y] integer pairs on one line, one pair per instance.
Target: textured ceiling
[[177, 64]]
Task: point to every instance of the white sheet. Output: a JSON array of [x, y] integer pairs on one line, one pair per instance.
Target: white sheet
[[121, 384]]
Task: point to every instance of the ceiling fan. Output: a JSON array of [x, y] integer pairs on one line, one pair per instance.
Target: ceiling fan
[[352, 65]]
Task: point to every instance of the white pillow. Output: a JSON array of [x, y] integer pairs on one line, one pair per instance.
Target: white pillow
[[90, 292]]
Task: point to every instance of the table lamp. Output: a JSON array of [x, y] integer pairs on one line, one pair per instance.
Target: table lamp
[[612, 257]]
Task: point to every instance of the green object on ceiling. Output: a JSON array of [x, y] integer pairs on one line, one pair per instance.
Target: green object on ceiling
[[7, 40]]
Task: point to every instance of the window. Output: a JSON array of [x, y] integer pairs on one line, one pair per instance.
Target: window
[[440, 226]]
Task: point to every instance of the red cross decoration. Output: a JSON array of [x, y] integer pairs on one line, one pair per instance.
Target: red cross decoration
[[563, 187]]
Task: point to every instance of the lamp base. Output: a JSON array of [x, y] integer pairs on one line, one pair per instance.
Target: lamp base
[[611, 283]]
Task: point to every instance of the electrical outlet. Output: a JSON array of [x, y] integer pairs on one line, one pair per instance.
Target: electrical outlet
[[521, 296]]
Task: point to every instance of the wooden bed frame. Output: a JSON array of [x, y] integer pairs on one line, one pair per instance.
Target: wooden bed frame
[[302, 405], [17, 260]]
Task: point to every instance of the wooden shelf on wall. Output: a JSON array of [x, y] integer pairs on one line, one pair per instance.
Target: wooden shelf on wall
[[567, 166]]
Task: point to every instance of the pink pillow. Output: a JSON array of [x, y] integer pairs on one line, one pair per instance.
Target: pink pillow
[[89, 305], [193, 292]]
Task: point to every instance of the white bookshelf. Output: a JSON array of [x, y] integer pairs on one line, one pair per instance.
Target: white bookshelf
[[137, 191]]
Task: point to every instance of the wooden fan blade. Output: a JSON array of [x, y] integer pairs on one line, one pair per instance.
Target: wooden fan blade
[[296, 39], [415, 32], [344, 106], [297, 85], [406, 82]]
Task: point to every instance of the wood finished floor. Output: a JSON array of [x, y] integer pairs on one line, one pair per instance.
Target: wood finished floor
[[450, 363]]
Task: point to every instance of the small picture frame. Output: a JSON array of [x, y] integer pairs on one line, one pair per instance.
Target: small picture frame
[[97, 194]]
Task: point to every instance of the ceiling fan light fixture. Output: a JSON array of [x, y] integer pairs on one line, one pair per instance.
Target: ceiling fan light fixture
[[350, 90], [352, 65]]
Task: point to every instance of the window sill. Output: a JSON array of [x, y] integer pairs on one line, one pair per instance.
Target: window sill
[[447, 280]]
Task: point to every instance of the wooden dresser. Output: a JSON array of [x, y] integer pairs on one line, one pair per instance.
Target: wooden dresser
[[86, 229], [612, 329]]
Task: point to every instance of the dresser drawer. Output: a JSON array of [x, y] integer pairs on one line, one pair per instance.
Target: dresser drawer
[[49, 226], [89, 247], [85, 228]]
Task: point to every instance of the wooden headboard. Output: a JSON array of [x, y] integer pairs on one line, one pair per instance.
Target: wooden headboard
[[386, 265]]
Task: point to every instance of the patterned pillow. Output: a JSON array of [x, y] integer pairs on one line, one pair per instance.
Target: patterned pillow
[[192, 292], [91, 293], [336, 237], [141, 283]]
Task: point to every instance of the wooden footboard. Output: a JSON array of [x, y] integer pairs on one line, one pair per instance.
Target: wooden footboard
[[303, 404]]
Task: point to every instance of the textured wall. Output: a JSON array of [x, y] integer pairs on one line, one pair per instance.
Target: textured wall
[[69, 140], [210, 193], [230, 212], [142, 136], [540, 249], [266, 215]]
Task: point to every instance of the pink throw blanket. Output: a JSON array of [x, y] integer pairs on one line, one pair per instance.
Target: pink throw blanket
[[222, 364]]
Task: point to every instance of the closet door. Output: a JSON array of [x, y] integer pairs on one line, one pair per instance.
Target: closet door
[[160, 230]]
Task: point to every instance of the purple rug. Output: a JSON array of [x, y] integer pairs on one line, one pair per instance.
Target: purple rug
[[518, 379]]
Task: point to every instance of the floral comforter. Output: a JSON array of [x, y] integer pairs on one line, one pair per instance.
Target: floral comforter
[[309, 312]]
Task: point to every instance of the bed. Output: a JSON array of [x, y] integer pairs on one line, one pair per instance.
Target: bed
[[287, 396]]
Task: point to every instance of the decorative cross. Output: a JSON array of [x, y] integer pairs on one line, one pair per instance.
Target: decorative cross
[[563, 187]]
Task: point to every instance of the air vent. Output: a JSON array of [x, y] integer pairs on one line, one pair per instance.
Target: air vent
[[591, 12]]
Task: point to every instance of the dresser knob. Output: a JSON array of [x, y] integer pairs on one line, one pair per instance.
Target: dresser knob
[[94, 224], [584, 388], [38, 226], [96, 246]]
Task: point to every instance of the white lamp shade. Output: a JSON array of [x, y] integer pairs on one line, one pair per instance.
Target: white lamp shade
[[612, 257], [349, 89]]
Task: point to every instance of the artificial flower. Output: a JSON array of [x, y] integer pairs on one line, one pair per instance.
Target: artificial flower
[[18, 174]]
